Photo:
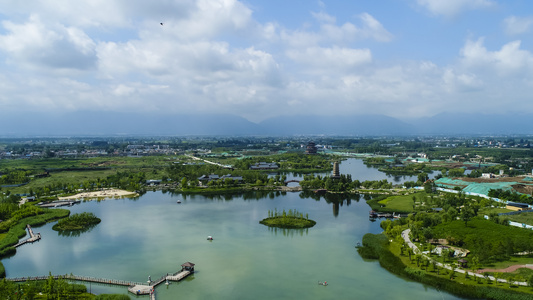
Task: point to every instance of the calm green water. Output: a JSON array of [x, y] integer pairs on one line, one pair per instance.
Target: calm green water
[[154, 235], [362, 172]]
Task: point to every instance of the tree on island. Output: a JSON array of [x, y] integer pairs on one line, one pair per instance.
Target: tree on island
[[292, 219], [77, 222]]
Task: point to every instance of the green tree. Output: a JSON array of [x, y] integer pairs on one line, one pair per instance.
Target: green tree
[[429, 186], [467, 214], [423, 177], [453, 213], [530, 280], [457, 172]]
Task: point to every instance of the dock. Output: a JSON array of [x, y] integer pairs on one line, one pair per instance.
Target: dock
[[59, 203], [149, 289], [33, 237], [374, 214]]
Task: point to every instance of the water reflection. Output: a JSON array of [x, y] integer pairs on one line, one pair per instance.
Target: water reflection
[[231, 195], [76, 233], [337, 200], [289, 232]]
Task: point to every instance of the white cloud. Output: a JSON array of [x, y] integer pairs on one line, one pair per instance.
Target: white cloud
[[337, 58], [100, 13], [214, 57], [509, 60], [374, 29], [517, 25], [461, 82], [451, 8], [324, 17], [48, 45], [329, 32]]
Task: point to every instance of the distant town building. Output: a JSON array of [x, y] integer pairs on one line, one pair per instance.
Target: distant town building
[[153, 181], [517, 206], [311, 148], [207, 178], [264, 166], [234, 178], [336, 172]]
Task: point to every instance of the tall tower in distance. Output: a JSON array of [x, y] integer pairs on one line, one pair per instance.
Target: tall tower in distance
[[311, 148], [336, 172]]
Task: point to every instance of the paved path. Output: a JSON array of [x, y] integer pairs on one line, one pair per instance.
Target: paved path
[[506, 270], [405, 236], [209, 162]]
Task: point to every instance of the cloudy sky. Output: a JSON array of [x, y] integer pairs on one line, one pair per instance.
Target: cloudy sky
[[259, 59]]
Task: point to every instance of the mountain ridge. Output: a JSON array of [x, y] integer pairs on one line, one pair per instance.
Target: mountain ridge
[[124, 123]]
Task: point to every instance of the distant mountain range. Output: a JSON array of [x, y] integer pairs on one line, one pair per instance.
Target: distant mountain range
[[110, 123]]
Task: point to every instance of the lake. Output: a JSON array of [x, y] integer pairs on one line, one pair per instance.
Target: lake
[[153, 235], [362, 172]]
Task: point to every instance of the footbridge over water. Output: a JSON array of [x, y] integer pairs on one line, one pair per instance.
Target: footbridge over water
[[33, 237], [293, 180], [137, 288]]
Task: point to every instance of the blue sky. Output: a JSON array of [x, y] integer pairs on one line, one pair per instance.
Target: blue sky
[[259, 59]]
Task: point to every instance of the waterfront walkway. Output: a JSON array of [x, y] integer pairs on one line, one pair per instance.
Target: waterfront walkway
[[33, 237], [405, 236], [76, 278], [210, 162], [149, 289], [137, 288]]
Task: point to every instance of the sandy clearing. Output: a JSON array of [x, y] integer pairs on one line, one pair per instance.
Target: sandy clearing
[[100, 194]]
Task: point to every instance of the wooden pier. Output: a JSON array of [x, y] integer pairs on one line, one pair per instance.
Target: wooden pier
[[374, 214], [149, 289], [59, 203], [33, 237]]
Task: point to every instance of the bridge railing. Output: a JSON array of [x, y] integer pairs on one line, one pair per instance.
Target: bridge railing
[[77, 278]]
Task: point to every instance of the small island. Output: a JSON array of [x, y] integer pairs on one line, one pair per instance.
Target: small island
[[77, 222], [292, 219]]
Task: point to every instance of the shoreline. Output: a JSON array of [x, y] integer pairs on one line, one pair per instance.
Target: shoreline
[[379, 249], [110, 193]]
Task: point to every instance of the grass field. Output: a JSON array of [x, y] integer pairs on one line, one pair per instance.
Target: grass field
[[489, 210], [39, 165], [404, 202], [526, 218], [514, 260], [76, 177], [88, 169], [479, 227]]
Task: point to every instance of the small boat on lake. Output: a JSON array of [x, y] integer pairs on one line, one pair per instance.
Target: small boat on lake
[[209, 238], [179, 201]]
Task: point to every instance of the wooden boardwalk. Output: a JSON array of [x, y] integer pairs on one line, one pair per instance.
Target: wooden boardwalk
[[33, 237], [179, 276], [137, 288], [145, 289], [77, 278]]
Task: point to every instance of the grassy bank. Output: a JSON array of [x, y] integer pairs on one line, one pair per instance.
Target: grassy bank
[[377, 246], [18, 230]]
